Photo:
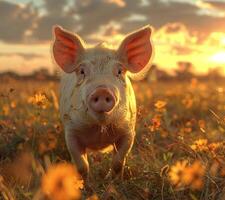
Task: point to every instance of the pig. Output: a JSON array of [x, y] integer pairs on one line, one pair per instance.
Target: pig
[[97, 101]]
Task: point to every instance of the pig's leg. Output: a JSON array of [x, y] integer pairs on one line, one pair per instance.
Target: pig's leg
[[121, 150], [78, 154]]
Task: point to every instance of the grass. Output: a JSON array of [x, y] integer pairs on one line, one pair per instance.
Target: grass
[[179, 150]]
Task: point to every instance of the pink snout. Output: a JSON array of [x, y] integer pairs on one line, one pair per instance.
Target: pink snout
[[102, 100]]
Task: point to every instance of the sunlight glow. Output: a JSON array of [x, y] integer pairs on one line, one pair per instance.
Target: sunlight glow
[[223, 41], [219, 57]]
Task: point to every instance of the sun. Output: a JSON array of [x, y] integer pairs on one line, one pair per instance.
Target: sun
[[219, 57]]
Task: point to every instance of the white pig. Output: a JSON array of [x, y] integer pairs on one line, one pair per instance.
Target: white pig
[[97, 101]]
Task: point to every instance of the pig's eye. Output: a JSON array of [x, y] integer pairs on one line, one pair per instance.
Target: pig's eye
[[82, 71], [119, 71]]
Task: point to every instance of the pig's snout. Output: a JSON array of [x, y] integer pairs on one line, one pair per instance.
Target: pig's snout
[[102, 100]]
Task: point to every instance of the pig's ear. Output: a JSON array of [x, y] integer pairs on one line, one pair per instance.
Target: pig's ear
[[135, 50], [67, 49]]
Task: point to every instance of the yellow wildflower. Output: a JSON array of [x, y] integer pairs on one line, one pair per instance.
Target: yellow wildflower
[[193, 175], [200, 145], [176, 172], [182, 175], [160, 104], [62, 181], [38, 99]]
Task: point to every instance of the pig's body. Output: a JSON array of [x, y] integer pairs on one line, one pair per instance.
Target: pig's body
[[97, 101]]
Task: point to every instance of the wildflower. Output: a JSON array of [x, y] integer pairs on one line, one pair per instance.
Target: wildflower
[[62, 181], [193, 175], [160, 104], [200, 145], [38, 99], [155, 123], [214, 146], [176, 172], [182, 175]]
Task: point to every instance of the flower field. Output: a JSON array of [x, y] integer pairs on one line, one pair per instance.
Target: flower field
[[178, 153]]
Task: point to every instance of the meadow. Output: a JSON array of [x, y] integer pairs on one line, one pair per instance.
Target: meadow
[[178, 153]]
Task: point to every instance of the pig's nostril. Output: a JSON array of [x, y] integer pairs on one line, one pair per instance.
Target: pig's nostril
[[96, 99], [107, 99]]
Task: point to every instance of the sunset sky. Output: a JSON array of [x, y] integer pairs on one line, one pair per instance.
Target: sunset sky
[[184, 30]]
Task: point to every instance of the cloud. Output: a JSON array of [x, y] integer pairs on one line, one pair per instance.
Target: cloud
[[27, 56], [220, 5], [15, 20], [54, 8], [174, 27], [176, 39], [186, 13], [96, 13], [20, 22], [174, 34], [182, 50], [120, 3], [43, 30], [56, 13]]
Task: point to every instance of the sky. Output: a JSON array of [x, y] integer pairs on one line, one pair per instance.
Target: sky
[[184, 30]]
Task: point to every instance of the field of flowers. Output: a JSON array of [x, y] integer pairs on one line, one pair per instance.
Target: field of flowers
[[179, 150]]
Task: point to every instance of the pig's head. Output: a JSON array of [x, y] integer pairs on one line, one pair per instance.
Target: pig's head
[[101, 74]]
